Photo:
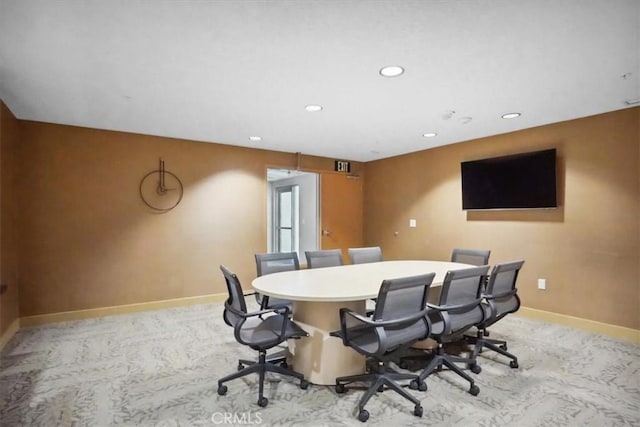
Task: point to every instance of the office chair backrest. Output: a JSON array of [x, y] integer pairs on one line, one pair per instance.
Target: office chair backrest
[[276, 262], [365, 255], [502, 286], [471, 256], [400, 298], [236, 298], [403, 296], [324, 258], [463, 288]]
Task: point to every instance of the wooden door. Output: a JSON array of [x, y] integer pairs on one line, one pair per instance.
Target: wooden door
[[341, 206]]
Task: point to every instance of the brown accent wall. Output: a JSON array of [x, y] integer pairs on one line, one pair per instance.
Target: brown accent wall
[[8, 237], [588, 249], [87, 240]]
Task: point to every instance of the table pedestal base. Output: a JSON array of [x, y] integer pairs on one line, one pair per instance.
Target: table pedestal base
[[319, 357]]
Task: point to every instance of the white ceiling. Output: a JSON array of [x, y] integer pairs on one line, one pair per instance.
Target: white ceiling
[[221, 71]]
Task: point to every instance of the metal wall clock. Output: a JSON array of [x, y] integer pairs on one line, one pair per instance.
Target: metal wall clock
[[160, 189]]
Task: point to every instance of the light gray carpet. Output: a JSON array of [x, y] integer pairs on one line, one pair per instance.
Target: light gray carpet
[[160, 369]]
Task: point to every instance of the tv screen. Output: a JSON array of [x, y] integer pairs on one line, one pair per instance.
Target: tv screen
[[519, 181]]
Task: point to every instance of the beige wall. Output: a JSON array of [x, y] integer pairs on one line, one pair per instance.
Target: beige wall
[[588, 249], [88, 241], [8, 251]]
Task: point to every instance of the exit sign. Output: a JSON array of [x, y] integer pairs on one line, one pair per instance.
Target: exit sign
[[342, 166]]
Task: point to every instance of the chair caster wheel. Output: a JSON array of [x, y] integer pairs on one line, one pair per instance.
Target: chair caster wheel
[[240, 366], [403, 364], [380, 389], [476, 369], [513, 364], [503, 347], [263, 401], [363, 415], [284, 365], [474, 390], [418, 385], [222, 390], [417, 411], [304, 384], [340, 388]]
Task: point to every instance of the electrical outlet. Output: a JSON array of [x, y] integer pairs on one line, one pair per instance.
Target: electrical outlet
[[542, 284]]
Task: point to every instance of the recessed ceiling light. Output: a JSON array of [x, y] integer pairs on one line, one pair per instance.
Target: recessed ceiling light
[[510, 115], [391, 71], [429, 134], [313, 108], [255, 138]]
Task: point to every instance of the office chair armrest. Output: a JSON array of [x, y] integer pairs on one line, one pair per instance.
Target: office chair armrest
[[454, 307], [282, 310], [277, 309], [400, 321], [355, 315], [369, 321], [366, 323], [344, 329]]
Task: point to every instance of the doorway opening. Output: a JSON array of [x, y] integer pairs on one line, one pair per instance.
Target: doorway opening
[[292, 211]]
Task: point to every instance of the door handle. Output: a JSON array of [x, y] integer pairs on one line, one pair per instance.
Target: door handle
[[326, 232]]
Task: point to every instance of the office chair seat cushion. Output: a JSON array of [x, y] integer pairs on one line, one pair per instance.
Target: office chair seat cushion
[[401, 336], [265, 333], [506, 305], [457, 322], [369, 343], [502, 307]]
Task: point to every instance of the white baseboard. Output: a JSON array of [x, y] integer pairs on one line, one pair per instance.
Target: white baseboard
[[119, 309], [620, 332], [9, 333]]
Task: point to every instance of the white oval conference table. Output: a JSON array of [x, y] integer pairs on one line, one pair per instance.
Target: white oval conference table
[[318, 294]]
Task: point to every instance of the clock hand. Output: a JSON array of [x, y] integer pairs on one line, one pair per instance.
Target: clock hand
[[162, 174]]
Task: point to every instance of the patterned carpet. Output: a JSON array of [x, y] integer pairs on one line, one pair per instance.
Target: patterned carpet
[[160, 369]]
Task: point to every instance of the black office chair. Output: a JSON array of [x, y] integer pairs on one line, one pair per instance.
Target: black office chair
[[399, 320], [365, 255], [324, 258], [500, 298], [268, 264], [275, 263], [458, 310], [471, 256], [259, 332]]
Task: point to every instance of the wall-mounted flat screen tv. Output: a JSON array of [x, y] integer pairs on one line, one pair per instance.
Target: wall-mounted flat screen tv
[[519, 181]]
